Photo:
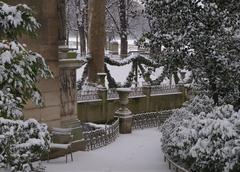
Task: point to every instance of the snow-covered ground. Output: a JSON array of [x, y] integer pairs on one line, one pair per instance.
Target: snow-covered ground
[[136, 152]]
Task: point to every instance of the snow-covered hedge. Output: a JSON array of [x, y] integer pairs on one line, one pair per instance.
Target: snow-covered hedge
[[16, 20], [21, 142], [204, 138]]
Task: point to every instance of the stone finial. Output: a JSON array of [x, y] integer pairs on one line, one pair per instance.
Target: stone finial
[[124, 114]]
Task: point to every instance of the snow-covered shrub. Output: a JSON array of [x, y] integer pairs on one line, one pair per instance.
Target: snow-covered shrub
[[171, 125], [207, 141], [21, 142]]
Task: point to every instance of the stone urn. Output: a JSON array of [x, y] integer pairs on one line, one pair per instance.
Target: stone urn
[[123, 113]]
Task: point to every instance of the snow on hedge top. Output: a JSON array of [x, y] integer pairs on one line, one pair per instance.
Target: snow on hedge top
[[20, 69], [16, 20]]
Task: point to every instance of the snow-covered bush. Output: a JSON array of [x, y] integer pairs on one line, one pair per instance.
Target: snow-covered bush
[[206, 141], [21, 142], [171, 125]]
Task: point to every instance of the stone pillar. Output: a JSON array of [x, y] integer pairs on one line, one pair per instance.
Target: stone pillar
[[68, 89], [46, 44], [96, 38], [102, 92], [113, 49], [183, 90], [147, 92], [123, 113], [68, 96]]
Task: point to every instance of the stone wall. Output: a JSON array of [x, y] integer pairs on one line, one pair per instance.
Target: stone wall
[[47, 45], [91, 111]]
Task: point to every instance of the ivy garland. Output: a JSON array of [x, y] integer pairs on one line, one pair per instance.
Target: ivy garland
[[84, 77], [111, 81], [138, 62]]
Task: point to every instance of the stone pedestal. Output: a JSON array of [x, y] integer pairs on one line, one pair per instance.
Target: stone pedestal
[[68, 97], [147, 92], [113, 49], [123, 113]]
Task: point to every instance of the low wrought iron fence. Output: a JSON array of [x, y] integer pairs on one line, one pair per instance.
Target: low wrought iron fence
[[102, 136], [150, 119], [174, 166]]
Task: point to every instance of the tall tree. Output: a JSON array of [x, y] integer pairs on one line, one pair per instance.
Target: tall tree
[[200, 35], [96, 38], [123, 27]]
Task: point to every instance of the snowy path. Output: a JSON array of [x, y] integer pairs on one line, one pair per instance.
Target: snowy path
[[136, 152]]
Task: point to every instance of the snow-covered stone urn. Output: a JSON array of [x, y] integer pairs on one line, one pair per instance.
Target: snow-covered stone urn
[[124, 114]]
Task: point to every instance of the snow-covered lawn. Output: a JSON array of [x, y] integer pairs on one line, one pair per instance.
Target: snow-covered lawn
[[136, 152]]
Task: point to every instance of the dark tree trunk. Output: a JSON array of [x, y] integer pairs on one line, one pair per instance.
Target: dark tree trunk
[[123, 28], [176, 78], [81, 22], [96, 38], [82, 40], [61, 6]]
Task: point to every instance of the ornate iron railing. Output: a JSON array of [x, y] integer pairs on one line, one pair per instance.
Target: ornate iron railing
[[101, 137], [87, 95], [173, 165], [112, 93], [160, 89], [136, 92], [150, 119]]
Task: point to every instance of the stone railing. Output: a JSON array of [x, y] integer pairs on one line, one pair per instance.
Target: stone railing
[[136, 92], [172, 165], [150, 119], [102, 136]]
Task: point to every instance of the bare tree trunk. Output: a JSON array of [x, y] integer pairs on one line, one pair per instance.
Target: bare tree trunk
[[82, 40], [61, 5], [80, 14], [123, 28], [96, 38]]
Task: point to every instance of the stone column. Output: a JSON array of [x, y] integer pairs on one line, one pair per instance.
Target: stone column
[[46, 44], [102, 92], [68, 95], [68, 90], [182, 89], [123, 113]]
